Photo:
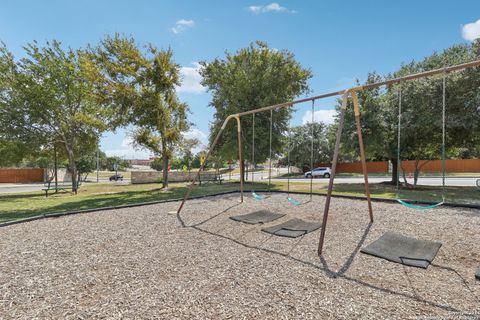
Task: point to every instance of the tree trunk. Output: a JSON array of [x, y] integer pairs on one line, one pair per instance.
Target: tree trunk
[[405, 178], [418, 168], [165, 172], [73, 168], [79, 177], [394, 170]]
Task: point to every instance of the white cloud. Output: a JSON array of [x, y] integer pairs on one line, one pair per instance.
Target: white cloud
[[130, 153], [471, 31], [127, 150], [127, 142], [324, 116], [272, 7], [255, 9], [196, 133], [191, 79], [182, 25], [186, 23]]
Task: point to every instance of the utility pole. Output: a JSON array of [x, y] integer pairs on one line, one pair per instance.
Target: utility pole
[[55, 167], [98, 162]]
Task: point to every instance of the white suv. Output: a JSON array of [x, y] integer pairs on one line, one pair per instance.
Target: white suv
[[319, 172]]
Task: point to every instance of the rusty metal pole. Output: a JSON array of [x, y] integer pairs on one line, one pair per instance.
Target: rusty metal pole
[[240, 155], [356, 108], [333, 170], [215, 141]]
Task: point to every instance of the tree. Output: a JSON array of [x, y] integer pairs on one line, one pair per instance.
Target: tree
[[50, 101], [157, 164], [186, 147], [142, 86], [12, 153], [421, 126], [12, 148], [379, 124], [111, 162], [102, 160], [300, 145], [85, 164], [253, 77]]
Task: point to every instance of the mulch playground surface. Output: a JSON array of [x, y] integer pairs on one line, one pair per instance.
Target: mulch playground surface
[[143, 262]]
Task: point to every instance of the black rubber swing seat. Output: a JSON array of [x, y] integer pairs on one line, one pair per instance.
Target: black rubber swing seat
[[477, 275], [404, 250], [293, 228], [262, 216]]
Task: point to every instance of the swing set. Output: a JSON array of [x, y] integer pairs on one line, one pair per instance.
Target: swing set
[[345, 95]]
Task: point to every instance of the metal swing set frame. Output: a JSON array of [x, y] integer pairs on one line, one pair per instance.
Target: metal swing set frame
[[353, 93]]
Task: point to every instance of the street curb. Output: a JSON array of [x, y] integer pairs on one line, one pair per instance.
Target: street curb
[[140, 204]]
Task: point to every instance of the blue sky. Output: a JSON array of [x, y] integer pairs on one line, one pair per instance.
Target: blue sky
[[338, 40]]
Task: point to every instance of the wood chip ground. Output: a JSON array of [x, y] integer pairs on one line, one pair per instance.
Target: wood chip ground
[[141, 263]]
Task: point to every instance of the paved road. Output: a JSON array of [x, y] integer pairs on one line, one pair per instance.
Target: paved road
[[263, 176], [14, 188], [427, 181]]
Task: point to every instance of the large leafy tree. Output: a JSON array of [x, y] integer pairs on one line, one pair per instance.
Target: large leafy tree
[[12, 148], [299, 142], [421, 127], [141, 84], [49, 101], [379, 124], [253, 77], [186, 147], [85, 164]]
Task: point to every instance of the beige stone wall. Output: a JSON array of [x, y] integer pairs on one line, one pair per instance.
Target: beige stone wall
[[156, 176]]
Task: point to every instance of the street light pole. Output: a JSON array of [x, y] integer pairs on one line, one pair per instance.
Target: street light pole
[[55, 168], [98, 162]]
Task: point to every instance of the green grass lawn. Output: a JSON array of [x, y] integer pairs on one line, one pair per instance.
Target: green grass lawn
[[22, 205], [382, 190]]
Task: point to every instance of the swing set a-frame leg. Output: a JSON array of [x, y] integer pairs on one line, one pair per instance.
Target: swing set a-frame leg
[[335, 160], [356, 108], [212, 146]]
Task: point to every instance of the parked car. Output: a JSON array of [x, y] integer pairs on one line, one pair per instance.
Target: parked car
[[116, 177], [319, 172]]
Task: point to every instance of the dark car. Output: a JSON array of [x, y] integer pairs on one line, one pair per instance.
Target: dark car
[[116, 177]]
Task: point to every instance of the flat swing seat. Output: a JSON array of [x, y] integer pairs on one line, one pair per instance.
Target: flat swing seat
[[293, 201], [404, 250], [419, 207], [257, 196], [477, 275], [293, 228], [262, 216]]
